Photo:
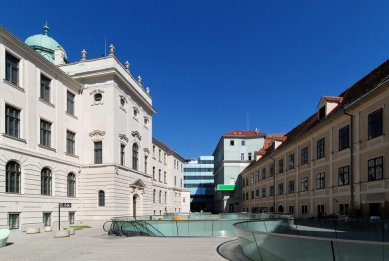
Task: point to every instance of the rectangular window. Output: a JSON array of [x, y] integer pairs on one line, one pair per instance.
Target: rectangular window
[[344, 209], [291, 209], [304, 184], [146, 164], [304, 156], [164, 176], [320, 148], [175, 181], [320, 180], [271, 209], [344, 138], [12, 121], [45, 88], [257, 193], [242, 156], [263, 192], [153, 173], [153, 151], [343, 175], [122, 154], [71, 218], [11, 68], [304, 209], [70, 142], [232, 180], [249, 156], [243, 143], [159, 176], [243, 196], [320, 209], [252, 194], [164, 158], [281, 166], [271, 170], [159, 155], [263, 173], [70, 103], [98, 152], [280, 188], [375, 124], [247, 196], [46, 219], [271, 190], [231, 143], [252, 178], [13, 221], [291, 186], [291, 161], [45, 133], [375, 168], [257, 176]]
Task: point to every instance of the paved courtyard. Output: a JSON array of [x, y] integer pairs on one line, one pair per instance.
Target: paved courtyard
[[95, 244]]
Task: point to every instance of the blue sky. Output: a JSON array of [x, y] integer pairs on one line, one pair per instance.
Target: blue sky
[[209, 64]]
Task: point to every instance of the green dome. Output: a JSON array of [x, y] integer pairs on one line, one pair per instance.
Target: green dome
[[44, 44]]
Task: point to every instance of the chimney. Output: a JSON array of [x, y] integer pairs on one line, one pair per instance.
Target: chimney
[[59, 54]]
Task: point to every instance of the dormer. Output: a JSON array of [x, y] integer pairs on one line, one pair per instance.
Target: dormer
[[327, 104]]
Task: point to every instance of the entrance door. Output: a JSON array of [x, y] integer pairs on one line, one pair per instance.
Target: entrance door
[[374, 209], [281, 209], [134, 207]]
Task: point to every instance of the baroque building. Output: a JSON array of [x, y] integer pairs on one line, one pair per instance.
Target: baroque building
[[332, 162], [79, 133]]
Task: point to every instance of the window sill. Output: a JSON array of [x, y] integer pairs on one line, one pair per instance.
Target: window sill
[[14, 138], [46, 102], [13, 85], [48, 148], [71, 155], [71, 115]]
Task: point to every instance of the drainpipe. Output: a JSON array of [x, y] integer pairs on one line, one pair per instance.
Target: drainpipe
[[351, 158]]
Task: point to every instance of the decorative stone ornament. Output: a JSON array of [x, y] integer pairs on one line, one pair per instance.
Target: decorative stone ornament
[[111, 50], [97, 97], [123, 139], [140, 80], [97, 133], [83, 55], [147, 90], [127, 66]]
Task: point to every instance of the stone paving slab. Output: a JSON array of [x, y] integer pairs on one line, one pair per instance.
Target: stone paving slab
[[95, 244]]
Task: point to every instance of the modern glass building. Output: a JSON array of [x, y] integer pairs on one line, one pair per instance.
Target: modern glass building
[[198, 178]]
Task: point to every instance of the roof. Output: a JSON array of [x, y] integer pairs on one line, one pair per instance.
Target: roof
[[238, 133], [365, 85], [44, 44]]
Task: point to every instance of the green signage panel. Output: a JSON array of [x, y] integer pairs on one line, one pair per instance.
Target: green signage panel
[[226, 187]]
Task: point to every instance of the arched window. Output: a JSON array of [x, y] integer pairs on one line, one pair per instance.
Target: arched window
[[160, 196], [71, 185], [12, 181], [135, 156], [154, 196], [165, 197], [101, 198], [46, 181]]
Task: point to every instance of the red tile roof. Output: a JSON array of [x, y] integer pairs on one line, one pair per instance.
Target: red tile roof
[[376, 77], [238, 133]]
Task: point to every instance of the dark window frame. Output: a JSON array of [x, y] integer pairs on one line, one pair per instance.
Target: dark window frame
[[98, 152], [12, 180], [70, 142], [291, 161], [320, 180], [70, 102], [46, 182], [372, 166], [304, 156], [304, 184], [11, 68], [12, 121], [45, 88], [344, 138], [71, 185], [45, 133], [320, 148], [375, 124], [343, 176], [291, 186]]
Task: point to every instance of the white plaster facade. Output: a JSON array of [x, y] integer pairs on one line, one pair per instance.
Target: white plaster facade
[[109, 106]]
